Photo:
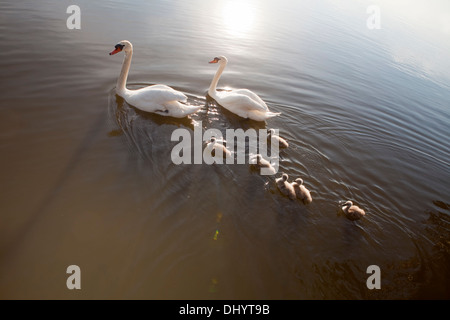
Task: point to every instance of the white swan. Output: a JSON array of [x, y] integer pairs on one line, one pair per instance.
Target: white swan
[[242, 102], [285, 187], [159, 98], [282, 143], [352, 212], [301, 192]]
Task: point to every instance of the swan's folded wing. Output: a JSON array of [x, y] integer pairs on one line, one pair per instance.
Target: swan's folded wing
[[157, 94], [176, 95], [252, 96], [234, 100]]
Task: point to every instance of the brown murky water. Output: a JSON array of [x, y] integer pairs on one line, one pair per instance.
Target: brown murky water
[[88, 180]]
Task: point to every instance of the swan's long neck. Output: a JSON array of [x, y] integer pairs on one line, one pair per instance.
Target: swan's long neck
[[122, 81], [213, 86]]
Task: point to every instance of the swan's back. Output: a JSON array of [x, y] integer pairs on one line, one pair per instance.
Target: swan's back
[[252, 96], [235, 100], [156, 94], [244, 105], [159, 98]]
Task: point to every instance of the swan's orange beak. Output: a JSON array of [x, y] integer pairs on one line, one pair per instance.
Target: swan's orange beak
[[116, 50], [215, 60]]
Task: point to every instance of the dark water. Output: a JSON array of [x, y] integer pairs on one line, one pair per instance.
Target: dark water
[[88, 180]]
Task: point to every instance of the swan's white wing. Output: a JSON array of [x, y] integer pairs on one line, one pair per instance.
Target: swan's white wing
[[180, 96], [235, 101], [252, 96], [162, 100], [158, 93], [154, 98]]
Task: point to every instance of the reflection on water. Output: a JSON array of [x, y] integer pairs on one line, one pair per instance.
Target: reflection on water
[[88, 179], [238, 18]]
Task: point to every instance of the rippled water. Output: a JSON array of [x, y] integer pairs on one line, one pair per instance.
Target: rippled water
[[88, 179]]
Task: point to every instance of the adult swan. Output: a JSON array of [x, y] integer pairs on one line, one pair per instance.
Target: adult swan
[[158, 98], [242, 102]]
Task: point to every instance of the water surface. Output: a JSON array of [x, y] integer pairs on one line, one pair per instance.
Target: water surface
[[88, 179]]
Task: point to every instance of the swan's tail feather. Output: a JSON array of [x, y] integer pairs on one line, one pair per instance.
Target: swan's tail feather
[[194, 108], [189, 109], [259, 115], [270, 114], [179, 109]]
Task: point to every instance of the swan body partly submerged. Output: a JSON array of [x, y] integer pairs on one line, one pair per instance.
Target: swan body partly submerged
[[285, 187], [301, 191], [352, 212], [242, 102], [263, 163], [282, 143], [160, 99], [215, 148]]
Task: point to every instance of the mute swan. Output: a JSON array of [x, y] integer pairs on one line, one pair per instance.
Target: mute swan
[[219, 148], [242, 102], [301, 192], [352, 212], [159, 98], [285, 187], [263, 163], [282, 143]]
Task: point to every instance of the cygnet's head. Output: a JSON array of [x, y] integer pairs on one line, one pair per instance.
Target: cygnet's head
[[123, 45], [299, 181], [270, 132], [348, 204], [285, 177], [213, 139]]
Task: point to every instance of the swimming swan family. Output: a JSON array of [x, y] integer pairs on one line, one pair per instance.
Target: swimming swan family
[[166, 101]]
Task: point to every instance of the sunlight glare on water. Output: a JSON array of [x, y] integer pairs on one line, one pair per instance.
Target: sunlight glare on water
[[238, 17]]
